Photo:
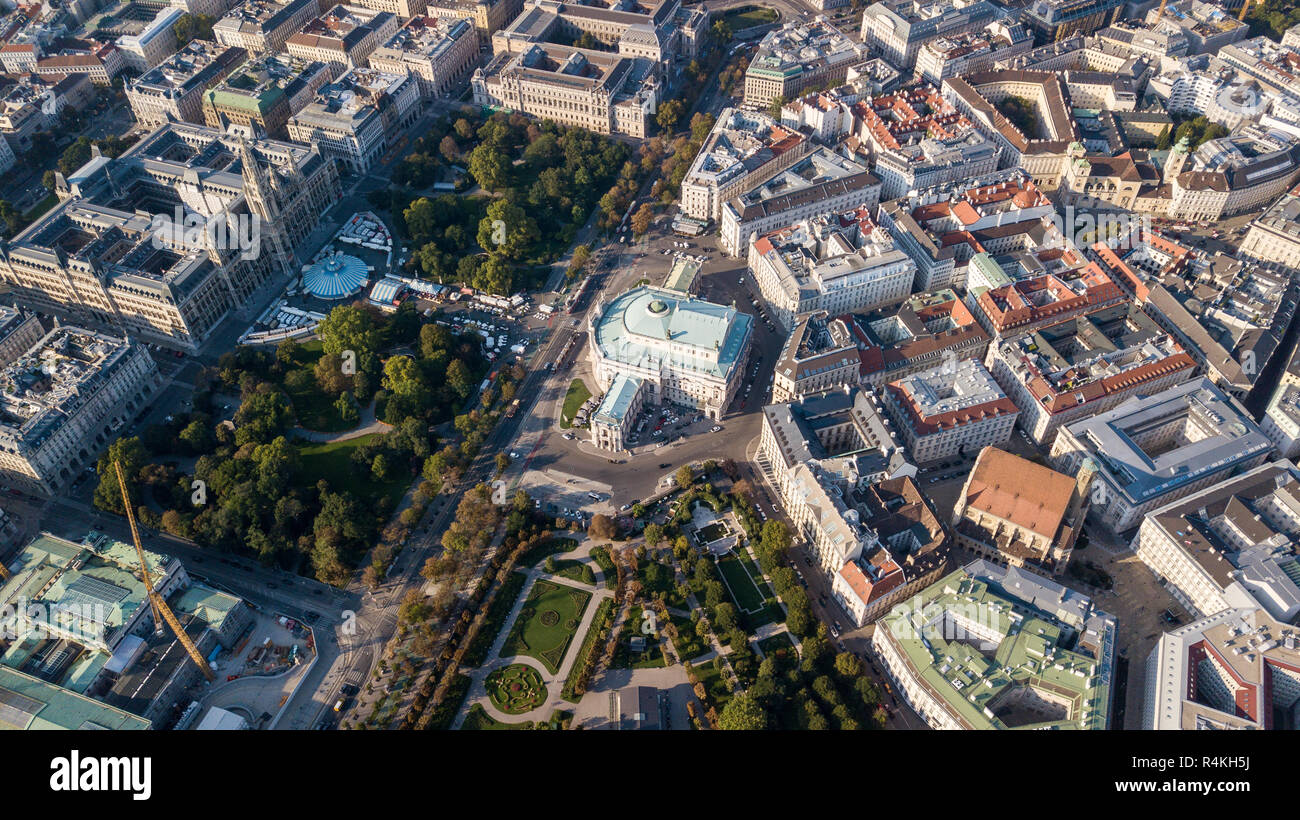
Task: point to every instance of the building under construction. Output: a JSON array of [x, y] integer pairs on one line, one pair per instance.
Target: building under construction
[[81, 621]]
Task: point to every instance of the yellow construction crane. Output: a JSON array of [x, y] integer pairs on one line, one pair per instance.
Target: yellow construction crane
[[1161, 13], [1245, 7], [161, 612]]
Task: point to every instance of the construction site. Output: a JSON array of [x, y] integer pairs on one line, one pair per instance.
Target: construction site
[[129, 630]]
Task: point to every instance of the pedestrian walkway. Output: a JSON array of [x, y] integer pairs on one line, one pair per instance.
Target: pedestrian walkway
[[554, 682], [367, 425]]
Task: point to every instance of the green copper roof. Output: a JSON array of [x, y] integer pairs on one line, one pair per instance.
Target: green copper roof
[[1019, 648]]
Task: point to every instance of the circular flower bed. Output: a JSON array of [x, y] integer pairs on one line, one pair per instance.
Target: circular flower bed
[[516, 689], [550, 618]]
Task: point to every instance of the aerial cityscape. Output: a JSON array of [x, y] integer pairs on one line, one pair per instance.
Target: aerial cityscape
[[649, 364]]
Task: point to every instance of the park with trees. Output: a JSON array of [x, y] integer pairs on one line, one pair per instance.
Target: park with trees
[[251, 484]]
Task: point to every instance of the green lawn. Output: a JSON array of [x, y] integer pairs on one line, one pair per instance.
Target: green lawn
[[713, 684], [546, 624], [539, 551], [314, 409], [601, 556], [743, 591], [748, 17], [332, 461], [573, 400], [624, 657], [41, 207], [495, 618], [575, 571], [478, 719], [772, 611], [591, 642], [777, 645], [688, 643]]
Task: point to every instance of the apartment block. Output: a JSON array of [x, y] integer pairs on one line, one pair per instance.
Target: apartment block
[[924, 331], [818, 355], [173, 91], [62, 400], [342, 37], [972, 51], [440, 52], [263, 93], [920, 140], [743, 151], [839, 263], [1086, 365]]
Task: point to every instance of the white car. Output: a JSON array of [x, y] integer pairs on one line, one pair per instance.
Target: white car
[[513, 454], [568, 436], [715, 428]]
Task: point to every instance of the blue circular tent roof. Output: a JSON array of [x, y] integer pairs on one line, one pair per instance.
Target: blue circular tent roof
[[335, 276]]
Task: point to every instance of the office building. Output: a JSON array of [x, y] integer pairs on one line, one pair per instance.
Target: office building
[[262, 26], [62, 400], [818, 454], [357, 117], [823, 182], [1230, 544], [1152, 450], [950, 411], [742, 151], [1235, 669], [1055, 20], [897, 30], [796, 57], [154, 44]]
